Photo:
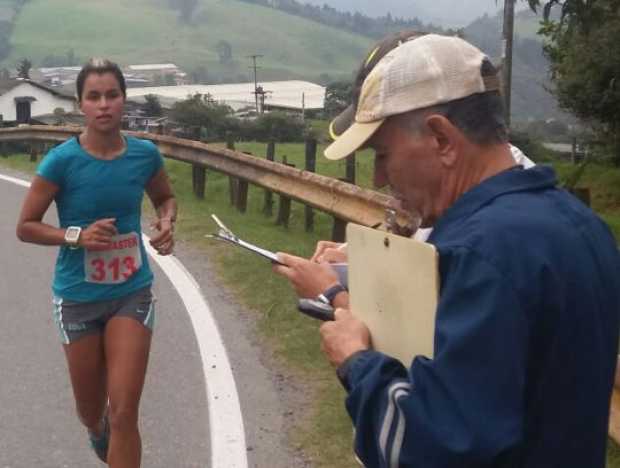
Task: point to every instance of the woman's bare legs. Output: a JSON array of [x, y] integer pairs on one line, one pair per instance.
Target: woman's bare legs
[[87, 369], [127, 344]]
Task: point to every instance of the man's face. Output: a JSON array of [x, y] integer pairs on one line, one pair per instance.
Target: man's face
[[406, 162]]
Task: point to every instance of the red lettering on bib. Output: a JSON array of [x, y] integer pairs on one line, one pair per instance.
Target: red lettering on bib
[[116, 264]]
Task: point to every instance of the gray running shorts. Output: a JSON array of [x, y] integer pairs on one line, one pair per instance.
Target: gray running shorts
[[77, 319]]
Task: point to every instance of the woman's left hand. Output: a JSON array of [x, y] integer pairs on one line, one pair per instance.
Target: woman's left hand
[[163, 242]]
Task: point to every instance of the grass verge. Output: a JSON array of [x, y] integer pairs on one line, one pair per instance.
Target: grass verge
[[293, 337]]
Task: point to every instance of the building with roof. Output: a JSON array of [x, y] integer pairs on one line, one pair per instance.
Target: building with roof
[[20, 100], [153, 72], [293, 95], [56, 76]]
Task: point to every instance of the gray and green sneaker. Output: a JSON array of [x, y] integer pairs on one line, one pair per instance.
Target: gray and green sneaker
[[100, 443]]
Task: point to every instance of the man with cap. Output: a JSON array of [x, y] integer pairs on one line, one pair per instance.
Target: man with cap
[[313, 277], [528, 314]]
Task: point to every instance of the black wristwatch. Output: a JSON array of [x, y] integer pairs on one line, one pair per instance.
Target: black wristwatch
[[327, 297]]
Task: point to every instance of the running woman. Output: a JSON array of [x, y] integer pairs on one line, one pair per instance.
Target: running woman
[[102, 299]]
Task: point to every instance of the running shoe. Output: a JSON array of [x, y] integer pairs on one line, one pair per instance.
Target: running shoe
[[100, 443]]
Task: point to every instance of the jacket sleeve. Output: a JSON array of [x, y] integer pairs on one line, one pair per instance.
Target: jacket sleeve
[[463, 408]]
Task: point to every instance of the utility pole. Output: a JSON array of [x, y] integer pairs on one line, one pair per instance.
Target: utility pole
[[254, 57], [508, 34]]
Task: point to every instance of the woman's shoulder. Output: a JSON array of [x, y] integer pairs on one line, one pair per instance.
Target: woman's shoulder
[[141, 144], [63, 150]]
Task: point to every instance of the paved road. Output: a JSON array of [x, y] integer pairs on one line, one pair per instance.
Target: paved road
[[38, 427]]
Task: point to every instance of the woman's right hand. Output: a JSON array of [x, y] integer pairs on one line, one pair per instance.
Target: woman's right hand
[[98, 235], [330, 252]]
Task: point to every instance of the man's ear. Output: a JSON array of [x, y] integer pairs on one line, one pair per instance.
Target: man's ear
[[447, 138]]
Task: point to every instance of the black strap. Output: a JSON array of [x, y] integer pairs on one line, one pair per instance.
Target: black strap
[[329, 295]]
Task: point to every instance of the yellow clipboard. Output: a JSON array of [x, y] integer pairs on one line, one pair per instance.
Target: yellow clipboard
[[394, 289]]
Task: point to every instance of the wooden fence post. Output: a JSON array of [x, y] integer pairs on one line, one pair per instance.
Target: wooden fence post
[[232, 181], [284, 210], [310, 167], [339, 230], [268, 207]]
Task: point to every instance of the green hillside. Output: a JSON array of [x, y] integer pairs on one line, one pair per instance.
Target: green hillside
[[146, 31]]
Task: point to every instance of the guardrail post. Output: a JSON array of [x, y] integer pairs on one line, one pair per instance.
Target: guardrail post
[[199, 180], [310, 167], [284, 210], [350, 168], [3, 150], [339, 229], [33, 151], [199, 173], [242, 195], [232, 181], [268, 207]]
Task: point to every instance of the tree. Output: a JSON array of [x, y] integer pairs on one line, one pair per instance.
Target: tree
[[60, 114], [169, 79], [201, 110], [186, 9], [337, 97], [152, 106], [582, 48], [23, 68], [199, 75], [224, 50], [278, 126], [71, 59]]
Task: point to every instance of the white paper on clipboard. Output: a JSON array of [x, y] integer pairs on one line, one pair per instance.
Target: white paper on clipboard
[[393, 289]]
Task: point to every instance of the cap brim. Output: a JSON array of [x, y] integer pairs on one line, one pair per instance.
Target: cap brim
[[342, 122], [351, 140]]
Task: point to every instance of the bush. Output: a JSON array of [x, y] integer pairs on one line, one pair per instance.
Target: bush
[[275, 126]]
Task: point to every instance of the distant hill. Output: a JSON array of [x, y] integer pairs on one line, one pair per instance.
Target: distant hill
[[374, 8], [445, 13], [530, 98], [147, 31]]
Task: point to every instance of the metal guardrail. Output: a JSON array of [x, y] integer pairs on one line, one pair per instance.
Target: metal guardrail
[[340, 199]]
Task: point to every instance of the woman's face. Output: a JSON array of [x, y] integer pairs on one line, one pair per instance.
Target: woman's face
[[102, 102]]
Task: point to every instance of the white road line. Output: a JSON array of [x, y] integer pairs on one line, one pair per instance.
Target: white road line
[[228, 449]]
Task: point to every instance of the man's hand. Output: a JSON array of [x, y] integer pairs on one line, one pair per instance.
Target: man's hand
[[330, 252], [163, 242], [98, 235], [309, 279], [343, 337]]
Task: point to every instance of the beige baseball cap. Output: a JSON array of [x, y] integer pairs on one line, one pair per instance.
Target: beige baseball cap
[[424, 72], [346, 118]]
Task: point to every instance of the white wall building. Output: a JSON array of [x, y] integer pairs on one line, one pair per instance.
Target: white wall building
[[293, 94], [22, 99]]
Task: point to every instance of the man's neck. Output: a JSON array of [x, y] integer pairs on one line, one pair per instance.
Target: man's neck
[[478, 164], [107, 145]]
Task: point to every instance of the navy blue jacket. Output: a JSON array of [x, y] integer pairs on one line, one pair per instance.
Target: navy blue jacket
[[525, 340]]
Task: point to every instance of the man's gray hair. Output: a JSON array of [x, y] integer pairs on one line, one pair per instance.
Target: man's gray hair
[[480, 117]]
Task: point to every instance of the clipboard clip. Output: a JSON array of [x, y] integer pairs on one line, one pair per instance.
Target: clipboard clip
[[223, 233]]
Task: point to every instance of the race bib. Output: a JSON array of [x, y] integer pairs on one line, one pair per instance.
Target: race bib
[[116, 264]]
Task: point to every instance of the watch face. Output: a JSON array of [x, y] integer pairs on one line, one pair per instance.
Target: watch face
[[72, 234]]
